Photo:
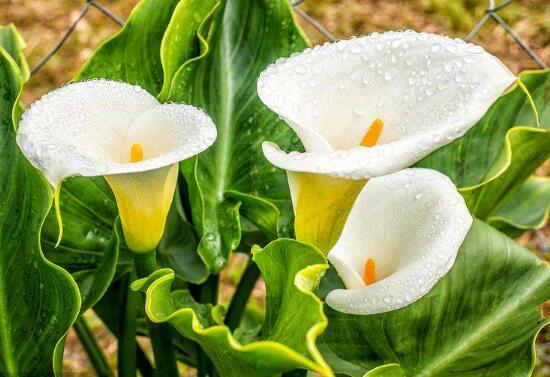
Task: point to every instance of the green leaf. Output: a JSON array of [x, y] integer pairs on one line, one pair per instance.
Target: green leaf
[[185, 39], [388, 370], [89, 212], [243, 37], [14, 45], [481, 319], [525, 150], [133, 54], [527, 208], [492, 160], [294, 315], [39, 301]]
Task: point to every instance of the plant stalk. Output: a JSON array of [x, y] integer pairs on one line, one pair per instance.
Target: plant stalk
[[159, 333], [237, 307], [295, 373], [127, 357], [143, 364], [96, 356], [206, 293]]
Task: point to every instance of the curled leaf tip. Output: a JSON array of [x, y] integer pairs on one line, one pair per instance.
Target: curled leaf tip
[[57, 207], [522, 86], [255, 250], [144, 283]]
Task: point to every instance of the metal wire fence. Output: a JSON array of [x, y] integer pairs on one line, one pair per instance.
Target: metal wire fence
[[491, 13]]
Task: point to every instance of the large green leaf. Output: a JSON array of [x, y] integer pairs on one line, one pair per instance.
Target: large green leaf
[[39, 301], [499, 153], [294, 316], [185, 39], [481, 319], [133, 54], [13, 44], [527, 208], [243, 37]]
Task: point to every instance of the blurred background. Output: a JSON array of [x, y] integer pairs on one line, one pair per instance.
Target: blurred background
[[43, 22]]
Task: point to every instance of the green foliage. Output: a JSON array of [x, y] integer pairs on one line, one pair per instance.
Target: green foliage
[[133, 54], [232, 176], [38, 300], [479, 320], [89, 211], [294, 316], [13, 44], [527, 208]]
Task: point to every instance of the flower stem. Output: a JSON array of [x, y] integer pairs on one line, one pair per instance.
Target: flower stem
[[206, 293], [143, 364], [128, 327], [237, 306], [159, 333], [97, 358], [295, 373]]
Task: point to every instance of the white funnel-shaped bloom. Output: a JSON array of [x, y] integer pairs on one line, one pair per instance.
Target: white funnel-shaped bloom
[[402, 235], [427, 89], [371, 106], [117, 130]]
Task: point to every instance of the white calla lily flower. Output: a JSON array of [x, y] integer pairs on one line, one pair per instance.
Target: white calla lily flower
[[402, 235], [119, 131], [371, 106]]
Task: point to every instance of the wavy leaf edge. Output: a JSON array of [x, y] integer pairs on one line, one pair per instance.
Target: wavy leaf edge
[[507, 143], [306, 280], [54, 267], [497, 219]]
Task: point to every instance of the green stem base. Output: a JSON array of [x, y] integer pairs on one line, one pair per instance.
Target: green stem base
[[237, 306], [159, 333]]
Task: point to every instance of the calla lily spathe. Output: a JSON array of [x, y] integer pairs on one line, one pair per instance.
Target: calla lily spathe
[[119, 131], [368, 107], [402, 235]]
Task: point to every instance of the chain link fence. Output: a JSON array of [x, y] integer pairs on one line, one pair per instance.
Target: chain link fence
[[491, 13]]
